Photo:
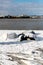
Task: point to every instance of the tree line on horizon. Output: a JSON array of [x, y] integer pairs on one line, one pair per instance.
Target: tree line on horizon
[[14, 17]]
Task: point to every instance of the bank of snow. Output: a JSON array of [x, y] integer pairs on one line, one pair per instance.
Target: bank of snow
[[14, 52]]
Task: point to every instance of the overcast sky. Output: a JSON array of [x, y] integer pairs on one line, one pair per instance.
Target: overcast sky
[[18, 7]]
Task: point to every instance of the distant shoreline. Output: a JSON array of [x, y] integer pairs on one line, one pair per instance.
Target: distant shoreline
[[21, 17]]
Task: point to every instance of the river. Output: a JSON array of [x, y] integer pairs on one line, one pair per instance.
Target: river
[[21, 24]]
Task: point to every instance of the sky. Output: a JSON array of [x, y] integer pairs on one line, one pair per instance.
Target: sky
[[19, 7]]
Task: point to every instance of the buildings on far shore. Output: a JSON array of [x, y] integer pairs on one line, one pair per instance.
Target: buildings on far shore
[[22, 16]]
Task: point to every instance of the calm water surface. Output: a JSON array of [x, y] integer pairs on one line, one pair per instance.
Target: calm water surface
[[21, 24]]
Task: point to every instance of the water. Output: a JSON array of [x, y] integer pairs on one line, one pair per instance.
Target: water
[[21, 24]]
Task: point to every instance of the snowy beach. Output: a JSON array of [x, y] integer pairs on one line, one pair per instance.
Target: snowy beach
[[16, 52]]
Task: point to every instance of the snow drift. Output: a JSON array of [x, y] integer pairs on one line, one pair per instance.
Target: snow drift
[[16, 52]]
